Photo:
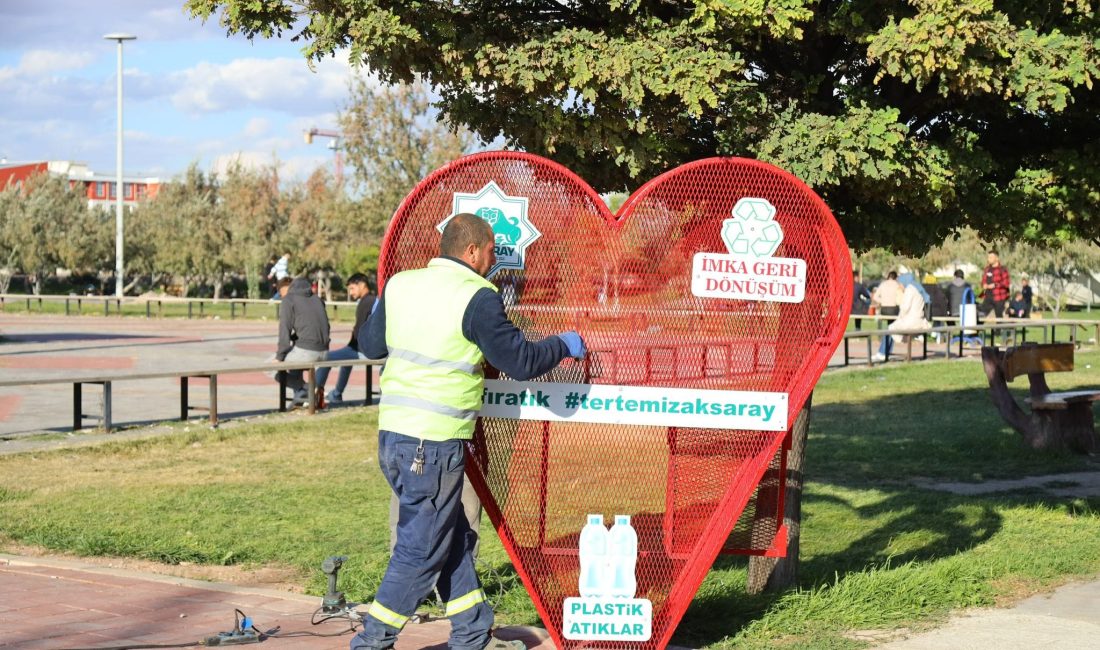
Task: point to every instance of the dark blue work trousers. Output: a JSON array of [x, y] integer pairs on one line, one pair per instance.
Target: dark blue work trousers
[[434, 547]]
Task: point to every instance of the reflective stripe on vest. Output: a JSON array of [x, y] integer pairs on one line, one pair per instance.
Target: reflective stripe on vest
[[434, 407], [432, 384], [424, 360]]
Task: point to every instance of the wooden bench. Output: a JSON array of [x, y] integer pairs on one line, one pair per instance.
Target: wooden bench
[[1056, 420]]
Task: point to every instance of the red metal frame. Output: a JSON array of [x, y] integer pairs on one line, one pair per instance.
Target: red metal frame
[[622, 280]]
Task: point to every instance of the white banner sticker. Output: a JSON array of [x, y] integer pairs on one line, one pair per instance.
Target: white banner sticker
[[737, 277], [607, 619], [644, 405]]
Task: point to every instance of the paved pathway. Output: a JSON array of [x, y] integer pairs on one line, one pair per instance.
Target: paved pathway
[[53, 604], [45, 346], [1067, 619]]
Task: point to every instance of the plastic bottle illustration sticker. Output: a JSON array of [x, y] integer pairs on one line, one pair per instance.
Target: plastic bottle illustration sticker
[[607, 582], [623, 558], [593, 558]]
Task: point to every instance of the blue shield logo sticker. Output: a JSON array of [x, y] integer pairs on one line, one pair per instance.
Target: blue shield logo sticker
[[513, 231]]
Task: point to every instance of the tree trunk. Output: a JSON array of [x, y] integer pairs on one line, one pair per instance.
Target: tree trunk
[[219, 282], [37, 287], [252, 281], [130, 287], [776, 574], [6, 273]]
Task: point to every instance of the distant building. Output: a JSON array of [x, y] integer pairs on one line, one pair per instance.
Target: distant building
[[99, 188]]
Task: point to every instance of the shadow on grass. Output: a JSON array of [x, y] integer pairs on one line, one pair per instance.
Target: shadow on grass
[[919, 526], [900, 527], [953, 434]]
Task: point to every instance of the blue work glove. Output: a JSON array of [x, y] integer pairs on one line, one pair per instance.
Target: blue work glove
[[575, 343]]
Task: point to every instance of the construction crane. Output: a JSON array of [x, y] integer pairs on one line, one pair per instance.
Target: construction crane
[[336, 143]]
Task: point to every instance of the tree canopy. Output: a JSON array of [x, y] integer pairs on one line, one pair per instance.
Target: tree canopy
[[911, 118]]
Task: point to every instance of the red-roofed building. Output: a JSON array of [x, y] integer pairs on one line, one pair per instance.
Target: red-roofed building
[[99, 188]]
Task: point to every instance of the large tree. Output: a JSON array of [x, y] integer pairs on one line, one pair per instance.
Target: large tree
[[186, 211], [319, 226], [911, 117], [255, 216], [393, 140], [48, 225]]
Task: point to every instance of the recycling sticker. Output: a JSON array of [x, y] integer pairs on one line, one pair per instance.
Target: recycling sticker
[[749, 272], [513, 231]]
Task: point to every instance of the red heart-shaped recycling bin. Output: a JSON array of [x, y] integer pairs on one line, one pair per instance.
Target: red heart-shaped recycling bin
[[652, 315]]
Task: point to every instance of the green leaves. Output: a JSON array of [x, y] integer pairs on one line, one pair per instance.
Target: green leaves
[[968, 48], [46, 224], [913, 118]]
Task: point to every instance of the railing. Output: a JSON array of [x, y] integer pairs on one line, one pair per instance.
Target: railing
[[1015, 328], [195, 307], [211, 375]]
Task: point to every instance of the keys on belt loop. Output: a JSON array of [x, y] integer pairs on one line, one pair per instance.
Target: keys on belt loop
[[418, 461]]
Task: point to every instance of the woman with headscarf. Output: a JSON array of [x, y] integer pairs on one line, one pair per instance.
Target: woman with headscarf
[[910, 314]]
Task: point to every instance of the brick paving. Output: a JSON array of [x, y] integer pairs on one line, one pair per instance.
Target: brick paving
[[53, 604]]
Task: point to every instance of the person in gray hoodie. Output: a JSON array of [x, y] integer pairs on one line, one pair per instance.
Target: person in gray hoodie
[[303, 334], [955, 292]]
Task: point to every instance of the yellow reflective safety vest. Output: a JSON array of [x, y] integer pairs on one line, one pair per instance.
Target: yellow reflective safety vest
[[432, 384]]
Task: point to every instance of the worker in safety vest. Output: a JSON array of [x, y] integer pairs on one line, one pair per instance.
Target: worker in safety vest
[[437, 325]]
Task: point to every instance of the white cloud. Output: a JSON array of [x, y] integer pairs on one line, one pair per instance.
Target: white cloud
[[300, 167], [294, 167], [284, 83], [58, 80], [36, 64], [60, 22], [256, 127], [246, 159], [42, 62]]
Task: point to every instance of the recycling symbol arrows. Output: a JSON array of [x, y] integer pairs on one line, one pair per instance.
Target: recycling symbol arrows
[[753, 229]]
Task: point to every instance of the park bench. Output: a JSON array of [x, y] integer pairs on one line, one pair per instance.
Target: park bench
[[1055, 420], [210, 374]]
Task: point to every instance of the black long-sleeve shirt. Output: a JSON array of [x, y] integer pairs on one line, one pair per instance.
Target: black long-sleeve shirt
[[486, 325]]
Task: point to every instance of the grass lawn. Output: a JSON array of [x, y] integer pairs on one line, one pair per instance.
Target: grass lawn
[[876, 551]]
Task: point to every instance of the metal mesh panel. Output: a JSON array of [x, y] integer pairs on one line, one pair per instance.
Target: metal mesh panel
[[624, 282]]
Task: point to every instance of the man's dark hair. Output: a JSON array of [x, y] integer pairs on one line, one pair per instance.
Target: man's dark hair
[[993, 251], [357, 278], [892, 275], [284, 282], [959, 274], [462, 230]]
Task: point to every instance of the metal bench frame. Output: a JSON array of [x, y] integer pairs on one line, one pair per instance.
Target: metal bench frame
[[210, 374]]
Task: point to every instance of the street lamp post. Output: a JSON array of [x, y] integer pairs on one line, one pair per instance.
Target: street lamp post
[[120, 266]]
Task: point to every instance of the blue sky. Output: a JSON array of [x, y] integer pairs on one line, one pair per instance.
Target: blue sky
[[190, 92]]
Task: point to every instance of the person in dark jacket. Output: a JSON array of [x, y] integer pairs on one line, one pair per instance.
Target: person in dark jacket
[[1017, 307], [303, 334], [359, 291], [861, 297], [1025, 289], [956, 289]]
